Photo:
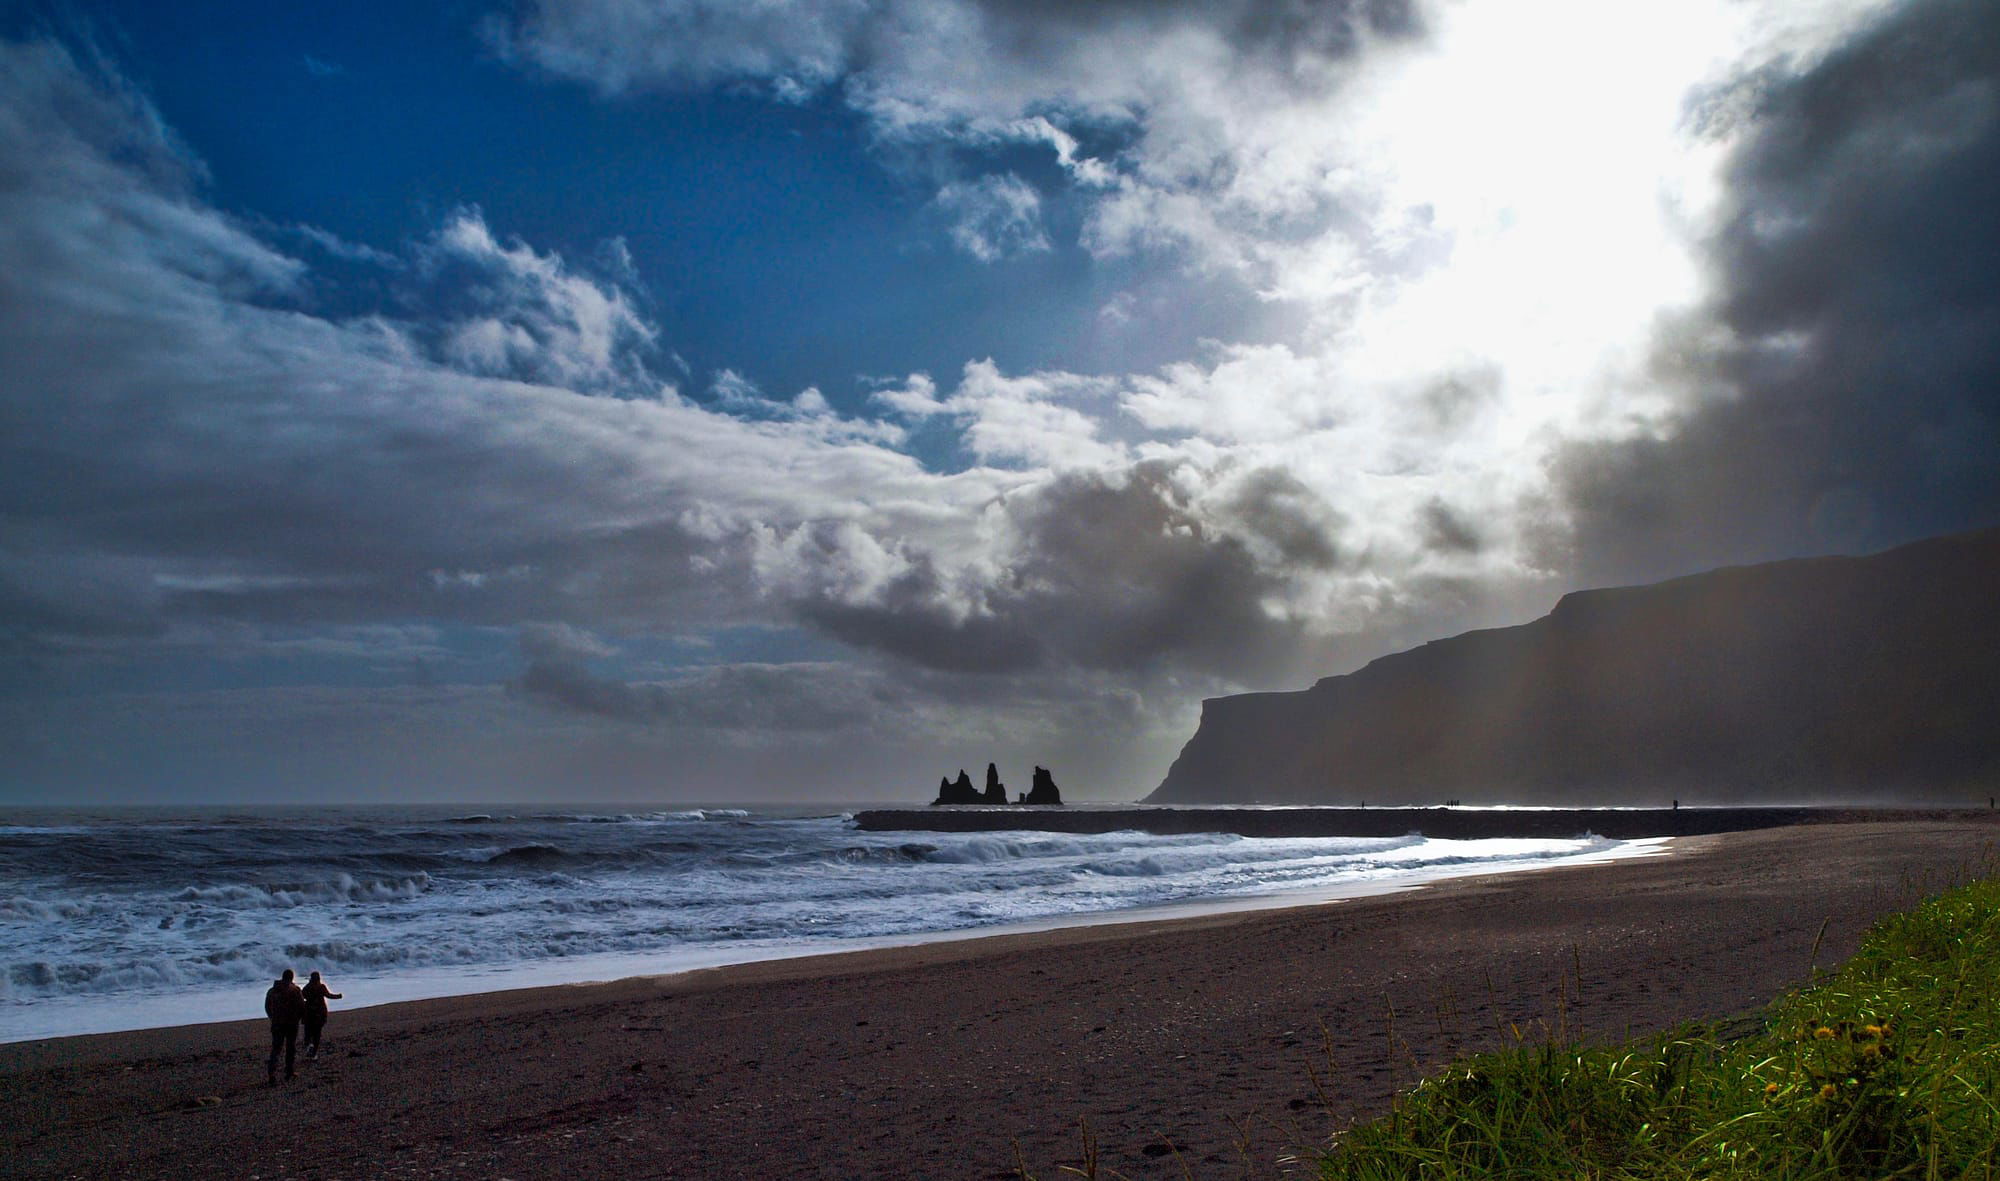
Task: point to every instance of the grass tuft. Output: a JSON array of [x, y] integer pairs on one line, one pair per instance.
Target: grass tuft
[[1888, 1068]]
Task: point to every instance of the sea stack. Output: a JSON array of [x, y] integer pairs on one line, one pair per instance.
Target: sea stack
[[996, 791], [1044, 789], [956, 791]]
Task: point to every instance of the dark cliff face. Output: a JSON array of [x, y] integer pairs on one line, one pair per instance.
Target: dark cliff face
[[1820, 678]]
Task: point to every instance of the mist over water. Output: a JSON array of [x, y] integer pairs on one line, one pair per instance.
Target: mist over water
[[117, 920]]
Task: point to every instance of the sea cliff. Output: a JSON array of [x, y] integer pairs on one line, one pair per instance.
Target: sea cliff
[[1864, 678]]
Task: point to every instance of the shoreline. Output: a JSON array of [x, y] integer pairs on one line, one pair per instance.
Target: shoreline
[[639, 965], [939, 1059], [1443, 821], [445, 983]]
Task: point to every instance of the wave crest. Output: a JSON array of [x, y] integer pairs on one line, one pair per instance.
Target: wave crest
[[339, 888]]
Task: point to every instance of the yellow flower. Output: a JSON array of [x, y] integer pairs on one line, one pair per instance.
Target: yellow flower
[[1822, 1033], [1770, 1088], [1827, 1091], [1873, 1030]]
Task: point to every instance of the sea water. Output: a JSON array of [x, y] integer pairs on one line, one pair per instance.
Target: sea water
[[114, 920]]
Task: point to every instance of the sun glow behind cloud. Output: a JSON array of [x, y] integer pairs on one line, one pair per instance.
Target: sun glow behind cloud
[[1545, 167], [1546, 155], [1516, 202]]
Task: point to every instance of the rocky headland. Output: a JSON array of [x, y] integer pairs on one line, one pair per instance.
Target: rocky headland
[[1862, 678]]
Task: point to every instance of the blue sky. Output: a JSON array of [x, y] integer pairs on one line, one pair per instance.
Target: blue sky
[[700, 400], [776, 239]]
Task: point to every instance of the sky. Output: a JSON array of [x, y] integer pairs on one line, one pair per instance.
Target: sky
[[712, 400]]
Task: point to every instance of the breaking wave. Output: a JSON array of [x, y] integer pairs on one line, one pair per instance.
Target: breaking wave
[[339, 888], [96, 915]]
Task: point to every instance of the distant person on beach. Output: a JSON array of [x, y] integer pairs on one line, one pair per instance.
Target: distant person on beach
[[284, 1004], [316, 995]]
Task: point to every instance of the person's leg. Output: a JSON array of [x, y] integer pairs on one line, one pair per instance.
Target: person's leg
[[277, 1040], [291, 1049], [312, 1038]]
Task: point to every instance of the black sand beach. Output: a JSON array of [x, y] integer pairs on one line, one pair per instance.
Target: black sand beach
[[1187, 1043]]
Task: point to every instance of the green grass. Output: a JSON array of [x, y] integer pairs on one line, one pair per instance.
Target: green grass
[[1888, 1068]]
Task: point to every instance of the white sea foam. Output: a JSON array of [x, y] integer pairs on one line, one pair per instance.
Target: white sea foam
[[99, 921], [36, 910], [340, 887]]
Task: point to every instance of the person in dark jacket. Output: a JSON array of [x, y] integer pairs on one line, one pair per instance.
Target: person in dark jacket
[[284, 1004], [316, 994]]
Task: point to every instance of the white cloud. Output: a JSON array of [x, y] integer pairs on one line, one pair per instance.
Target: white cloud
[[1255, 393], [916, 397], [1037, 420], [740, 397], [1037, 129], [560, 643], [1040, 420], [795, 46], [994, 217], [530, 316]]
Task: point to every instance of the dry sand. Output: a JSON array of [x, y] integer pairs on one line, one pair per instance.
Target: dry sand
[[937, 1061]]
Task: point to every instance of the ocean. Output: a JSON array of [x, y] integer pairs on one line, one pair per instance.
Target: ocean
[[127, 919]]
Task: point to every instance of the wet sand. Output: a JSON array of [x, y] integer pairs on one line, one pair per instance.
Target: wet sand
[[1207, 1047]]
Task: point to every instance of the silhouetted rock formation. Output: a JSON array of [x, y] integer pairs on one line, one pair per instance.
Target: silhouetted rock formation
[[996, 791], [1819, 678], [956, 791], [961, 791]]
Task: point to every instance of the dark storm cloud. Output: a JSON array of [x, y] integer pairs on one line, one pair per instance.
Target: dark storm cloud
[[1075, 712], [1275, 507], [1118, 571], [1854, 398], [1448, 532], [1133, 575], [923, 634], [759, 699]]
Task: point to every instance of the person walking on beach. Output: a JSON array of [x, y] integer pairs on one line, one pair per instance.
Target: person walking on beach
[[316, 995], [284, 1004]]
